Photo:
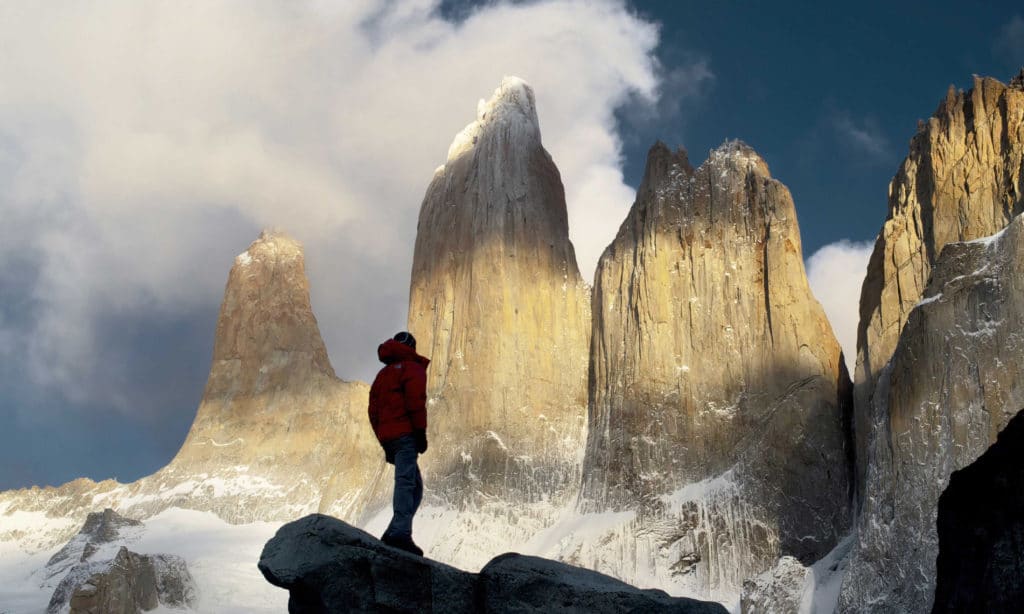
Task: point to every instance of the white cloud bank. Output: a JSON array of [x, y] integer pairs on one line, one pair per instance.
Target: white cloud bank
[[836, 273], [143, 143]]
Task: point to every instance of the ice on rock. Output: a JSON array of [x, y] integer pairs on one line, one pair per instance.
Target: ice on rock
[[510, 108]]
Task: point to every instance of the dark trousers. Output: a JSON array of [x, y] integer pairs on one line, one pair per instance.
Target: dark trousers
[[408, 486]]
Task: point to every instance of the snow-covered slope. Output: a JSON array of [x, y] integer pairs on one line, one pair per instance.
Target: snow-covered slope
[[221, 557]]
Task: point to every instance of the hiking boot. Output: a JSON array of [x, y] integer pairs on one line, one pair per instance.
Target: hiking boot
[[402, 543]]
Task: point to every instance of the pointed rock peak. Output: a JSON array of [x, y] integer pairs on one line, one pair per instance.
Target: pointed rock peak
[[663, 164], [738, 155], [512, 107]]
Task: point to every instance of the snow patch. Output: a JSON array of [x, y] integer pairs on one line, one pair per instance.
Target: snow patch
[[821, 592], [702, 490], [221, 557], [511, 104], [991, 240]]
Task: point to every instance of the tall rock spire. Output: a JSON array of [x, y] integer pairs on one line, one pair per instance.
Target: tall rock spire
[[276, 434], [498, 304], [718, 395], [273, 415], [963, 179]]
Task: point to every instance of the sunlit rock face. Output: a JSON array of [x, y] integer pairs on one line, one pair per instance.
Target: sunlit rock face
[[275, 423], [276, 433], [961, 180], [718, 396], [497, 303], [954, 382]]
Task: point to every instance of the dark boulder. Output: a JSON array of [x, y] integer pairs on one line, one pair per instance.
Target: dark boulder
[[517, 583], [981, 530], [329, 566]]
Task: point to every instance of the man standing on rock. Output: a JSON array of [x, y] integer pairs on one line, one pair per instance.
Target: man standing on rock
[[398, 414]]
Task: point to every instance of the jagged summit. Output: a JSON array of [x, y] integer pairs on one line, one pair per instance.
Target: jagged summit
[[667, 171], [713, 372], [961, 180], [511, 113], [737, 154]]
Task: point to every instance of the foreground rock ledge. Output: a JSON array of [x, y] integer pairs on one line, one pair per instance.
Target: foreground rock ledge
[[330, 566]]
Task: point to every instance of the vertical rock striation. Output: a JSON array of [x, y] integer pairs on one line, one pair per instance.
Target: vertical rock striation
[[962, 180], [497, 303], [718, 394], [954, 381]]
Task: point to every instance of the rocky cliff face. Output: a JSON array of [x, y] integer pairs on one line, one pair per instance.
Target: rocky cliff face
[[962, 180], [953, 383], [498, 304], [276, 433], [718, 392]]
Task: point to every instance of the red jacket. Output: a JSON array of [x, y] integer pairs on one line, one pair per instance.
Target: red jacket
[[398, 397]]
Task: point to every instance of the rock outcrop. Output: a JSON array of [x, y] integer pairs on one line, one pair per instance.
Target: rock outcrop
[[780, 589], [963, 179], [497, 303], [981, 530], [719, 399], [95, 573], [953, 383], [329, 566], [125, 584], [100, 529]]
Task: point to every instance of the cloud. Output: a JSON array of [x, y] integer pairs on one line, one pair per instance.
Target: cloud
[[864, 136], [143, 144], [836, 273], [1009, 43]]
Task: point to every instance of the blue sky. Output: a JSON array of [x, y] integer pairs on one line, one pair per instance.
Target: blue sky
[[143, 146]]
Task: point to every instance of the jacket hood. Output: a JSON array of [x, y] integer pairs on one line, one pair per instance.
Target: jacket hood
[[392, 351]]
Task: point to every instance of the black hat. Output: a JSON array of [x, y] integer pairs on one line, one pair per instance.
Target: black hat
[[406, 338]]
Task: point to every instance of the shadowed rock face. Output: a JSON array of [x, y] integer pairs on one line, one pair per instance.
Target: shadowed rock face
[[963, 179], [712, 362], [498, 304], [981, 530], [329, 566], [954, 382]]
